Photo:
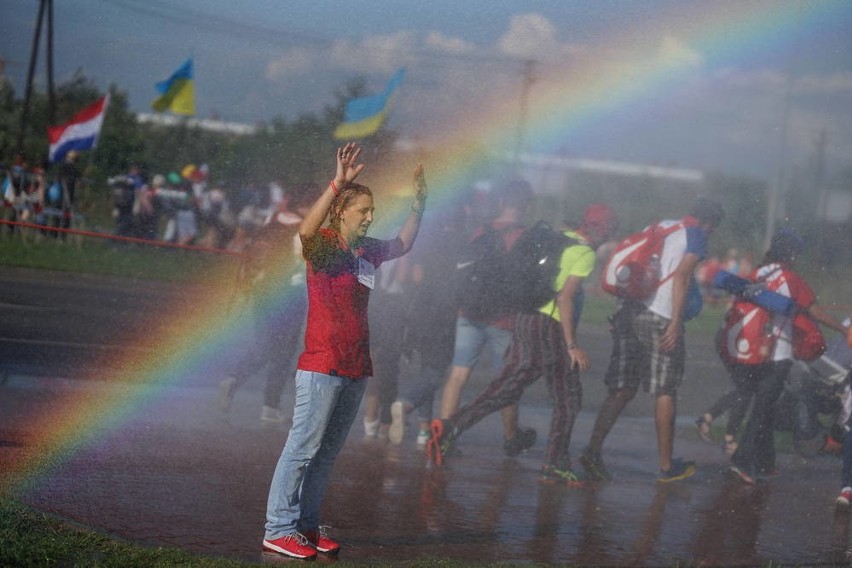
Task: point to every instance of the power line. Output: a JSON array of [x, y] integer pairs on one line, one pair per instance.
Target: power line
[[175, 14]]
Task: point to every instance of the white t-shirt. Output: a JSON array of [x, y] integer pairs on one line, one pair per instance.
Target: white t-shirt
[[675, 247]]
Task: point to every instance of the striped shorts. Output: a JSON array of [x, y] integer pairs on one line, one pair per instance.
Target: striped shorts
[[636, 357]]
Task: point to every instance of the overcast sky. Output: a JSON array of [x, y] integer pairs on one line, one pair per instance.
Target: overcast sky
[[744, 92]]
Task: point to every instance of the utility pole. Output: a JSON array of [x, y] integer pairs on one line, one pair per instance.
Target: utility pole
[[43, 6], [51, 95], [821, 190], [775, 203], [527, 80]]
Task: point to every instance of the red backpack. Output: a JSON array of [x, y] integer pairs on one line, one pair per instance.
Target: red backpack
[[633, 269], [746, 336]]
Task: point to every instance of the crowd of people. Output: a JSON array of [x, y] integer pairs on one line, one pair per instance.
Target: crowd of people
[[428, 329], [34, 195], [180, 207], [352, 308], [185, 209]]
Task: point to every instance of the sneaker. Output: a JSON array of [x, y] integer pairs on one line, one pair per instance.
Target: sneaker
[[397, 427], [295, 545], [320, 540], [844, 498], [423, 437], [438, 446], [272, 414], [371, 429], [593, 465], [832, 446], [523, 440], [765, 474], [552, 475], [227, 390], [679, 470], [742, 474]]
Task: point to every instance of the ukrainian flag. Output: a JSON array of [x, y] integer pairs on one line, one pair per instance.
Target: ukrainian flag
[[177, 93], [363, 116]]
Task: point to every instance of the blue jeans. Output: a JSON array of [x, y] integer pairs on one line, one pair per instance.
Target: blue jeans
[[325, 408], [471, 337]]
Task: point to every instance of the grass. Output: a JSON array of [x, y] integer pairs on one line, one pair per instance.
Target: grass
[[109, 258], [31, 538]]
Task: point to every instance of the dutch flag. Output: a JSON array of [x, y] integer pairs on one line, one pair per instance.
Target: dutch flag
[[80, 133]]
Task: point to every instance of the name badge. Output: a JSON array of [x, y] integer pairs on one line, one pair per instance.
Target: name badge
[[366, 273]]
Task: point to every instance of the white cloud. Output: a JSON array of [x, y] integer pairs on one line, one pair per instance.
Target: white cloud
[[532, 35], [383, 53], [675, 52], [441, 42], [295, 61]]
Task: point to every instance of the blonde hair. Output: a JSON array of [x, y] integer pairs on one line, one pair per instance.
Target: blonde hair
[[343, 199]]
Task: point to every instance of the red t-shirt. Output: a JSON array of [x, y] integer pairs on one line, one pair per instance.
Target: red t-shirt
[[337, 336]]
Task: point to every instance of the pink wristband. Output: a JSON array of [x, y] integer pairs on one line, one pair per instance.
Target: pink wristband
[[334, 187]]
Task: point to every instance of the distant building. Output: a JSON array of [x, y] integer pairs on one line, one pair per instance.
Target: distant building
[[212, 125]]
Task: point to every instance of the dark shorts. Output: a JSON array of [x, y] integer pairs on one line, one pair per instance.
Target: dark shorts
[[636, 357]]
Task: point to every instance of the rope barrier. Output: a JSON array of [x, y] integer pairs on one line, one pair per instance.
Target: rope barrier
[[137, 240]]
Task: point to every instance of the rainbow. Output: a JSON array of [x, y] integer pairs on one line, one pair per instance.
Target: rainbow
[[590, 92]]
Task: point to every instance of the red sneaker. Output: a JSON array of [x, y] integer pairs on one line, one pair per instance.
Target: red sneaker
[[294, 545], [319, 539], [832, 446]]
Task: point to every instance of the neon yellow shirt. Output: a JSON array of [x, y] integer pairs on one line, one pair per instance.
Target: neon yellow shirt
[[577, 260]]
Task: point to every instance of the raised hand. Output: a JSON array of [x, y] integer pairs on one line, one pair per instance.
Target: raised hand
[[420, 191], [347, 166]]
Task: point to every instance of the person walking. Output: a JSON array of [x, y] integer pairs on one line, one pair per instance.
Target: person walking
[[272, 279], [429, 325], [648, 343], [544, 344], [754, 457], [332, 370], [476, 330]]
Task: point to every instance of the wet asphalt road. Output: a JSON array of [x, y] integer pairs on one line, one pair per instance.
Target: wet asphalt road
[[174, 471]]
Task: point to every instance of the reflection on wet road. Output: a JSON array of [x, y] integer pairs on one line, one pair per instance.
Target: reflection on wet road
[[182, 474]]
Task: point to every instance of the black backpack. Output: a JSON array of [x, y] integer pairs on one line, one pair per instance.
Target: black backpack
[[482, 276], [534, 265]]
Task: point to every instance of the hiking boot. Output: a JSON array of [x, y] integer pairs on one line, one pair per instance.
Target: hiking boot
[[593, 466], [320, 540], [438, 446], [227, 390], [396, 432], [679, 470], [294, 545], [844, 498], [551, 475], [272, 414], [523, 440]]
